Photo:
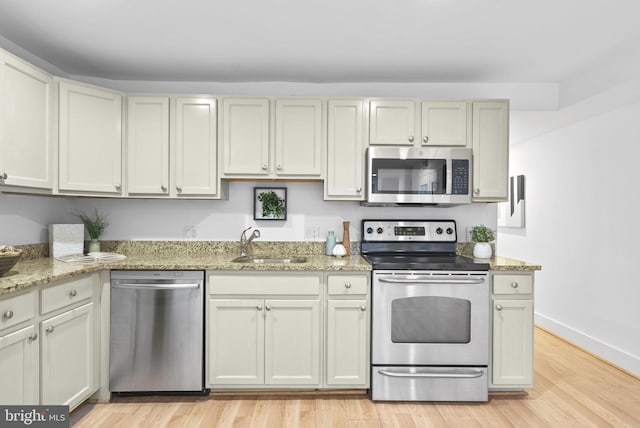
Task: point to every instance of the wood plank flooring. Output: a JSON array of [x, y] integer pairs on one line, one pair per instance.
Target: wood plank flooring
[[572, 389]]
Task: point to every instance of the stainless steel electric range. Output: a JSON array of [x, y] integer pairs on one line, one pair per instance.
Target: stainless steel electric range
[[430, 316]]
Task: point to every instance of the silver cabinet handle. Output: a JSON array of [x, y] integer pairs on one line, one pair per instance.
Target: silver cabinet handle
[[259, 307], [347, 285], [498, 307], [179, 189], [279, 167], [163, 188], [359, 189], [268, 308], [73, 293], [118, 187], [514, 284], [363, 308], [264, 167], [411, 138], [425, 138], [7, 315], [50, 329], [4, 176], [33, 337], [476, 191]]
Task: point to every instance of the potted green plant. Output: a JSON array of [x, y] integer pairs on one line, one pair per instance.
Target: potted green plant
[[482, 236], [95, 225], [272, 204]]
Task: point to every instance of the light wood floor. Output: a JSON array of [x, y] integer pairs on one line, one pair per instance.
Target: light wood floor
[[572, 389]]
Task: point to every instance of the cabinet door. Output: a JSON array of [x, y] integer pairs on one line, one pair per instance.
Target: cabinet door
[[392, 123], [292, 342], [90, 139], [26, 152], [19, 367], [345, 150], [490, 151], [444, 123], [148, 145], [298, 139], [513, 342], [245, 140], [347, 344], [68, 351], [196, 147], [236, 342]]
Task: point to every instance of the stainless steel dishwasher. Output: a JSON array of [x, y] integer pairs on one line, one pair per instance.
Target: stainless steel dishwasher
[[157, 332]]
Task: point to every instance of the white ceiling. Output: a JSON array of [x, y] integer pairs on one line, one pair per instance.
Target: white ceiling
[[322, 41]]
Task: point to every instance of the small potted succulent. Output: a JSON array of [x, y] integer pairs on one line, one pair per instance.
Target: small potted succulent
[[95, 225], [482, 236]]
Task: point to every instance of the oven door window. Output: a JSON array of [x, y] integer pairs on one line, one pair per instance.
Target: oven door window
[[409, 176], [430, 319]]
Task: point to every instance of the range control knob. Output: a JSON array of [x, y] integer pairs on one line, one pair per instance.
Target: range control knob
[[369, 229], [449, 231], [439, 231], [379, 230]]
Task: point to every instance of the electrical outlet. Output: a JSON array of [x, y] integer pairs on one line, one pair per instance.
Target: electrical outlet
[[189, 232], [312, 233]]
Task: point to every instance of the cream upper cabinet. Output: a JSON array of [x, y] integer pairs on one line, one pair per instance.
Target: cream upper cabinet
[[26, 119], [90, 140], [346, 144], [148, 145], [298, 138], [512, 356], [444, 123], [196, 171], [490, 138], [392, 122], [245, 136]]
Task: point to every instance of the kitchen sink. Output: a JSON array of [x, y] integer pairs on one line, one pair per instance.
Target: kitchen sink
[[267, 259]]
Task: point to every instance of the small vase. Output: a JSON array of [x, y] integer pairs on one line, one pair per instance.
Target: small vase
[[482, 250], [94, 246]]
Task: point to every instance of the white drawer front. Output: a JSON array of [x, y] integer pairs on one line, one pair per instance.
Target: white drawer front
[[512, 284], [265, 284], [16, 310], [68, 293], [347, 284]]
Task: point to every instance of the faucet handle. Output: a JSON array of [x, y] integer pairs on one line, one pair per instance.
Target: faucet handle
[[242, 236]]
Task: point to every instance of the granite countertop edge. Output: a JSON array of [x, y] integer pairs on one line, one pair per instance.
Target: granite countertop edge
[[30, 273]]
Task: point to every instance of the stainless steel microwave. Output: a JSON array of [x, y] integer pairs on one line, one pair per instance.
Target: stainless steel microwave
[[418, 175]]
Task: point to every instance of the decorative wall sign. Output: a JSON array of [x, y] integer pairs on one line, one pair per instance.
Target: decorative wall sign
[[269, 203], [511, 213]]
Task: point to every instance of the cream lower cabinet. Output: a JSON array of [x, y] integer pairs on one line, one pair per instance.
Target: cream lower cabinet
[[19, 367], [347, 333], [264, 330], [68, 353], [512, 350]]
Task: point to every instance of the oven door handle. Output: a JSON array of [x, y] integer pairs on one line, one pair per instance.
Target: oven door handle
[[455, 373], [407, 280]]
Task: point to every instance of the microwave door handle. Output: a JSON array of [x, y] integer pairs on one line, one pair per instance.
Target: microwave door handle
[[449, 178], [430, 281]]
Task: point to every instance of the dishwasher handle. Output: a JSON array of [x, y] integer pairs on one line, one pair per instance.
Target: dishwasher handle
[[156, 286]]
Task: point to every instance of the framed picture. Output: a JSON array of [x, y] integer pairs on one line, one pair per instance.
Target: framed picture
[[511, 213], [269, 203]]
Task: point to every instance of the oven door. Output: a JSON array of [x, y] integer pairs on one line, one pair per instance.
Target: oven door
[[430, 318]]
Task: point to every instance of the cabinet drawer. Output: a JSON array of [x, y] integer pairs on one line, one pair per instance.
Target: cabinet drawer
[[512, 284], [265, 284], [16, 310], [67, 293], [347, 284]]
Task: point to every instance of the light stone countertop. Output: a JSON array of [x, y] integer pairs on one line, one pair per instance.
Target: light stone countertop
[[43, 270]]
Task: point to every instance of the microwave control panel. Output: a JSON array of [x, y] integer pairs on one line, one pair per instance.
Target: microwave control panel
[[409, 230], [460, 177]]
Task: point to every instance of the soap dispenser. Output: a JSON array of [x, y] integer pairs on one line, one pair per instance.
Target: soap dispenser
[[331, 242]]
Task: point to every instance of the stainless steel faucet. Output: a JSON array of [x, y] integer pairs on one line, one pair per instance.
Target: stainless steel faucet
[[244, 241]]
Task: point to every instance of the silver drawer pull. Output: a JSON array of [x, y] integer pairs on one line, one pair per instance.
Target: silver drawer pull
[[347, 285], [268, 307], [498, 307], [453, 373], [259, 307], [7, 315], [514, 284], [50, 329], [33, 337], [73, 293]]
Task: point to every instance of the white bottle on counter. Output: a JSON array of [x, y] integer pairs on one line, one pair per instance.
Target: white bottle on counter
[[331, 242]]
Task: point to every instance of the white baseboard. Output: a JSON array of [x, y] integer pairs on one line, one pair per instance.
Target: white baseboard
[[616, 356]]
